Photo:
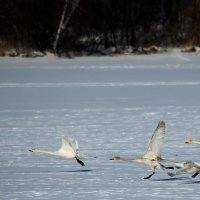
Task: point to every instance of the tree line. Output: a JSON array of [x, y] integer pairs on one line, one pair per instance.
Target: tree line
[[94, 25]]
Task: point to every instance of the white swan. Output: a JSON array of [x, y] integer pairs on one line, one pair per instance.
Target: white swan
[[191, 141], [188, 167], [68, 150], [152, 157]]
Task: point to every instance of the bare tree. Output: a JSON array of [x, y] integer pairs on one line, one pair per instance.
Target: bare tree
[[65, 18]]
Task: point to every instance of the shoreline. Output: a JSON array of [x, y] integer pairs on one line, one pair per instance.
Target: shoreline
[[110, 52]]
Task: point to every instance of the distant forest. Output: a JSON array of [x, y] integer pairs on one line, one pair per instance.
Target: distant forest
[[62, 26]]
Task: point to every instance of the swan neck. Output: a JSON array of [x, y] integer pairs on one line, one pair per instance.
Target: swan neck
[[132, 159], [138, 160], [47, 152], [196, 142], [125, 159]]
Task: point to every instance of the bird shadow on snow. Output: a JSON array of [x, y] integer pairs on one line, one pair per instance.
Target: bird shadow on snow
[[192, 182], [83, 170], [64, 171], [171, 179], [186, 180], [42, 171]]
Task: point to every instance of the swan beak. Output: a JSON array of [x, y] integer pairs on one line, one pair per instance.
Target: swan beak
[[33, 150], [188, 141], [115, 158]]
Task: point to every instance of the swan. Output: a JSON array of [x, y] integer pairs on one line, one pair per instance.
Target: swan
[[191, 141], [68, 150], [152, 157], [187, 167]]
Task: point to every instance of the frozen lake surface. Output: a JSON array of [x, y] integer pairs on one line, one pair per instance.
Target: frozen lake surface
[[111, 105]]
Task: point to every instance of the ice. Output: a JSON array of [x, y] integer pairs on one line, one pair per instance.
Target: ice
[[111, 105]]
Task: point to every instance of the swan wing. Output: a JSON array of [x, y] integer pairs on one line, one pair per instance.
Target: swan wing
[[69, 146], [72, 142], [156, 142]]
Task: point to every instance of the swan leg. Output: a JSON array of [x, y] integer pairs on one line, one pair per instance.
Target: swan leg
[[149, 176], [169, 167], [79, 161], [194, 175], [162, 166]]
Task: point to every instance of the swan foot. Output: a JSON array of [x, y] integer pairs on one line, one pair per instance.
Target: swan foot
[[169, 167], [194, 175], [79, 161], [149, 176], [164, 167]]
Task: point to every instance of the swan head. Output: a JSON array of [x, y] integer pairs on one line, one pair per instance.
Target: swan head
[[190, 141], [115, 158], [34, 150]]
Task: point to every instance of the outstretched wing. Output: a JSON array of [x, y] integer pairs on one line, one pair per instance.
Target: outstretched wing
[[69, 146], [156, 142]]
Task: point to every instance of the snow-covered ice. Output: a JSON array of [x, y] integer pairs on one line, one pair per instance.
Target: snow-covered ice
[[111, 105]]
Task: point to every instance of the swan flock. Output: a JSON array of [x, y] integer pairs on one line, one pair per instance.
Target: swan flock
[[152, 157]]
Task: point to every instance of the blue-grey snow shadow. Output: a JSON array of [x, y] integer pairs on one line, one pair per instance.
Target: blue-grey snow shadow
[[83, 170], [192, 182], [64, 171], [186, 180], [47, 171], [172, 179]]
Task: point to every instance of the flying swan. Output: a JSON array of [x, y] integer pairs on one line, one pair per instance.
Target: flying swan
[[68, 150], [152, 157], [188, 167], [191, 141]]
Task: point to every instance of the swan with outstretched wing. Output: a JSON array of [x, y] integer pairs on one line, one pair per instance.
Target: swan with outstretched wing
[[68, 150], [152, 157]]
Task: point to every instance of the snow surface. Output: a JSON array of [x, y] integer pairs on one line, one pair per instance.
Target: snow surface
[[111, 105]]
